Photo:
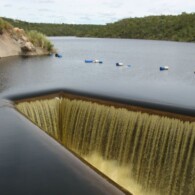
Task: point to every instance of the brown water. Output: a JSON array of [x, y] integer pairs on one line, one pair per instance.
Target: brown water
[[144, 153]]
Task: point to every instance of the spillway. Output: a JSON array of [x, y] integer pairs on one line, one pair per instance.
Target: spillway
[[144, 152], [31, 162]]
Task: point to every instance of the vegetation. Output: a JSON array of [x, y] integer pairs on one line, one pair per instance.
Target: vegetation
[[4, 25], [57, 29], [176, 28], [39, 40]]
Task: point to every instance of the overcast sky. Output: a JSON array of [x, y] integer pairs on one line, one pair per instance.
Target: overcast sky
[[90, 11]]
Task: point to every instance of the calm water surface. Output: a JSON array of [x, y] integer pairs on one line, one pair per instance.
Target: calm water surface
[[141, 81]]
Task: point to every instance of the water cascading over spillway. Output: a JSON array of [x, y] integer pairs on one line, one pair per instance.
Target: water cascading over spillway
[[155, 152]]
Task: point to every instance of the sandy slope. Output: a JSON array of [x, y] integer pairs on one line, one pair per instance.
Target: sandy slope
[[8, 46]]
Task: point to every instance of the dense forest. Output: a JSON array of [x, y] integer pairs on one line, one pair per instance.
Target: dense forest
[[176, 28]]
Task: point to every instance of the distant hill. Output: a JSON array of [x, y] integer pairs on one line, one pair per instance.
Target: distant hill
[[176, 28], [56, 29]]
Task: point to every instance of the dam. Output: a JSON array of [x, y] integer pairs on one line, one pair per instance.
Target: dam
[[67, 127], [143, 150]]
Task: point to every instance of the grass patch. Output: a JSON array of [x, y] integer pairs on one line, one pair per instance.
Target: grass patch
[[4, 25], [39, 40]]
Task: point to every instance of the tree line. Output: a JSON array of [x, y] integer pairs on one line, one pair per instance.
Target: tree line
[[169, 27]]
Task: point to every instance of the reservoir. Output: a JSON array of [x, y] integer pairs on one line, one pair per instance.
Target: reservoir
[[139, 79]]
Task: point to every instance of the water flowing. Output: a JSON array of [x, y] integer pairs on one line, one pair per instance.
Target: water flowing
[[156, 152]]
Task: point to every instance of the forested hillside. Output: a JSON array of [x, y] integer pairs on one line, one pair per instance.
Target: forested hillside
[[176, 28], [57, 29]]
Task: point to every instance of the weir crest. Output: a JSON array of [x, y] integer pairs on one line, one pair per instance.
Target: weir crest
[[143, 152]]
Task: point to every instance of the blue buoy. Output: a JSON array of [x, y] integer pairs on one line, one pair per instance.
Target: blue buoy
[[93, 61], [88, 61], [58, 55]]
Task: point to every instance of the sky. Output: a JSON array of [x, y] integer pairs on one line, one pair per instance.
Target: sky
[[90, 11]]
